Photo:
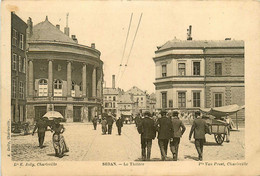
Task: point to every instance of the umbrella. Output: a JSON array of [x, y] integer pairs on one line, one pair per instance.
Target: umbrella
[[51, 115]]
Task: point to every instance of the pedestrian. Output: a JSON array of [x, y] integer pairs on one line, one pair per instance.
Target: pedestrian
[[119, 124], [58, 140], [164, 128], [228, 121], [200, 128], [178, 130], [41, 125], [94, 121], [146, 128], [104, 125], [110, 122]]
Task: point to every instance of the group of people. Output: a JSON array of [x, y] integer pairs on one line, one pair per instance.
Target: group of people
[[58, 140], [170, 130], [107, 122]]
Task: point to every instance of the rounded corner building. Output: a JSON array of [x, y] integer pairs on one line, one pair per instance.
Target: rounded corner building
[[63, 75]]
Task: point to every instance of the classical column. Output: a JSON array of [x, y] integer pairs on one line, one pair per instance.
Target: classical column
[[50, 78], [94, 82], [99, 83], [30, 83], [84, 79], [69, 78]]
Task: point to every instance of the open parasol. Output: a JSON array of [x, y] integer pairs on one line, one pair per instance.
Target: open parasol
[[51, 115]]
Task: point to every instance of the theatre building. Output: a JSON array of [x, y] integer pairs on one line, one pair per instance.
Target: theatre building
[[62, 75], [193, 74]]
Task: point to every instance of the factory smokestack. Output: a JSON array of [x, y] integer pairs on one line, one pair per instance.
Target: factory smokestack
[[113, 81], [189, 33]]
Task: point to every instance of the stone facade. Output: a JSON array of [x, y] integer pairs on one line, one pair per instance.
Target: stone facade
[[199, 74]]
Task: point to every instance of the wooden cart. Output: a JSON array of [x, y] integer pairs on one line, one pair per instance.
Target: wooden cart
[[218, 128]]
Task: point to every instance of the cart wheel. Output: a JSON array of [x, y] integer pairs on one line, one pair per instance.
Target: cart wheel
[[219, 138]]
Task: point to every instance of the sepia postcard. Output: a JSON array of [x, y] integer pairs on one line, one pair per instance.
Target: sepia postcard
[[130, 88]]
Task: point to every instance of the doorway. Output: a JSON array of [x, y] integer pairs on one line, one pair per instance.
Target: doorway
[[76, 114], [40, 111]]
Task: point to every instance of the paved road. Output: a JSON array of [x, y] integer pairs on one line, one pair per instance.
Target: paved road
[[86, 144]]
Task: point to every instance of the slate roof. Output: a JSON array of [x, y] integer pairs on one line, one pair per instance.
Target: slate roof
[[175, 43], [112, 91], [48, 32], [125, 99]]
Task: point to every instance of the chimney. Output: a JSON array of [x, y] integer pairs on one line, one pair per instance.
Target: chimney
[[29, 29], [189, 33], [58, 26], [93, 45], [113, 81], [74, 38], [67, 31]]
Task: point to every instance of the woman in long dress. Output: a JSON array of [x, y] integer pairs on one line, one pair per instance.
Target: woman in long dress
[[59, 144]]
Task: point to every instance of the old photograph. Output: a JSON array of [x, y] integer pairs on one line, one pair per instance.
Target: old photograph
[[126, 84]]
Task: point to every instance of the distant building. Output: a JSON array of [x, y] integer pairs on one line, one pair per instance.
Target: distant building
[[143, 100], [198, 74], [18, 69], [62, 75], [127, 106]]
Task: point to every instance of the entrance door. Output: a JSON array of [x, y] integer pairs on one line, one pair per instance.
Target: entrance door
[[60, 109], [89, 114], [40, 111], [76, 114]]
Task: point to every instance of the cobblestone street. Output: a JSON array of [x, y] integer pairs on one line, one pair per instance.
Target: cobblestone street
[[86, 144]]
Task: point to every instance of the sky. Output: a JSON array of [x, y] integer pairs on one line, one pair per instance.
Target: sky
[[105, 23]]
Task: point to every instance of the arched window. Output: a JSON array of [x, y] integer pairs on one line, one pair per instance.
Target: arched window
[[57, 87], [57, 84], [43, 88], [73, 84]]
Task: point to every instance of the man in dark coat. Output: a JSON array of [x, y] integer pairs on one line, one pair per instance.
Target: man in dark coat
[[165, 130], [94, 121], [41, 125], [178, 130], [119, 124], [200, 128], [146, 128], [110, 122]]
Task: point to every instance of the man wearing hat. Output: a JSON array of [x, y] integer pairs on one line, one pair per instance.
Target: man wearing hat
[[165, 130], [178, 130], [200, 128], [147, 130]]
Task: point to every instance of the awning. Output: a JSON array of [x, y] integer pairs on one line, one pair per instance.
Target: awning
[[223, 110], [126, 113]]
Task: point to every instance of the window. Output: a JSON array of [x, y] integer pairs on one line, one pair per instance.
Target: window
[[73, 89], [164, 70], [20, 64], [170, 104], [24, 64], [43, 88], [181, 99], [218, 69], [21, 90], [114, 98], [21, 42], [114, 105], [196, 99], [164, 99], [196, 68], [15, 37], [57, 88], [13, 88], [141, 98], [14, 61], [218, 99], [80, 86], [181, 69]]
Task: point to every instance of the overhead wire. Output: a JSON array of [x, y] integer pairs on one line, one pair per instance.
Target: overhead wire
[[131, 47], [129, 27]]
